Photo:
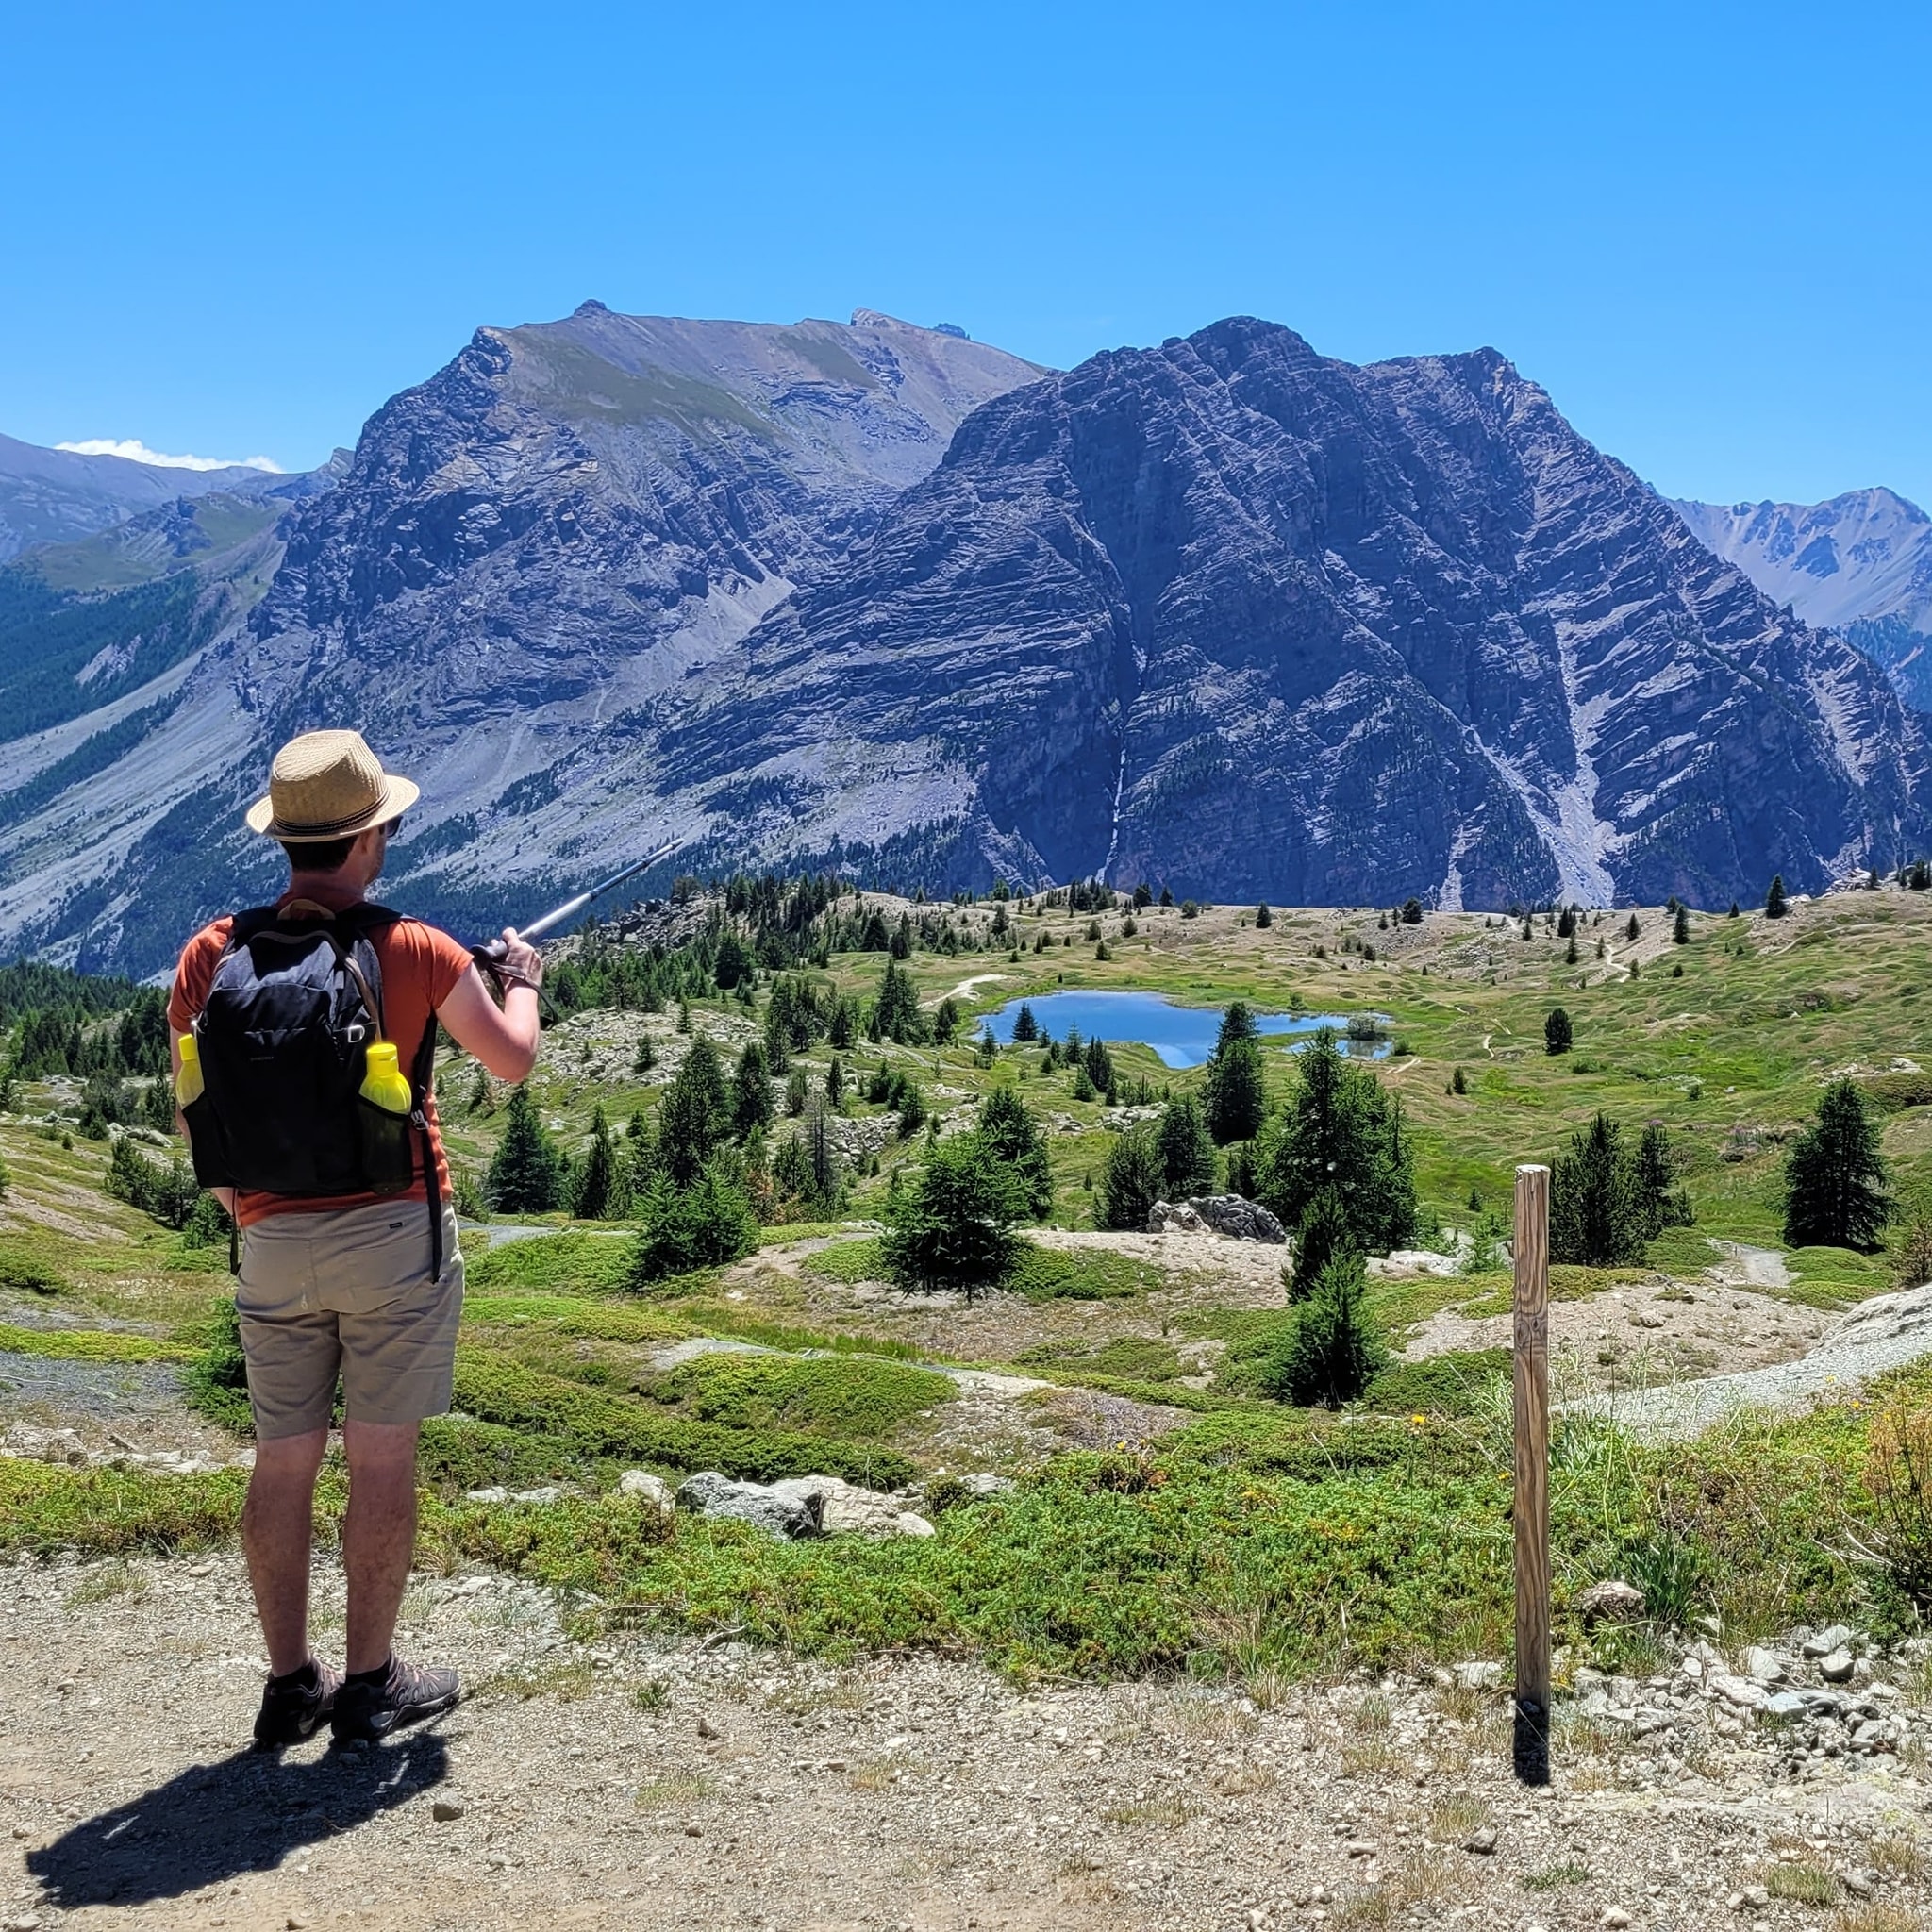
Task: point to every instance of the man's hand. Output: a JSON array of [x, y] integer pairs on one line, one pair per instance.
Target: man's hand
[[522, 964]]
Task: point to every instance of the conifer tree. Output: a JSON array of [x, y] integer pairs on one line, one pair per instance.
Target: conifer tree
[[1026, 1027], [703, 1225], [1660, 1200], [1341, 1130], [1010, 1133], [1774, 905], [697, 1115], [594, 1183], [1558, 1035], [751, 1088], [956, 1226], [1187, 1153], [1597, 1214], [1837, 1186], [1681, 927], [1264, 918], [895, 1014], [795, 1092], [1235, 1098], [1323, 1234], [526, 1175], [1131, 1180], [1334, 1351], [1631, 928]]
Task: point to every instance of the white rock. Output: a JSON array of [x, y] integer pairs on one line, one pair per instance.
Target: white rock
[[1740, 1691], [653, 1490], [1478, 1675], [1837, 1668], [1836, 1638], [1764, 1666]]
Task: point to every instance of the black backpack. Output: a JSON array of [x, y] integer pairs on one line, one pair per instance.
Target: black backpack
[[283, 1039]]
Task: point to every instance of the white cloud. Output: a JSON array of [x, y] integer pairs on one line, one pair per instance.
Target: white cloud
[[137, 452]]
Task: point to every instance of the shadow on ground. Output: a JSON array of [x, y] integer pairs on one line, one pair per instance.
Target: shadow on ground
[[214, 1821]]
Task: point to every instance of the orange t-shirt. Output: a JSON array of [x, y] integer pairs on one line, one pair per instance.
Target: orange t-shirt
[[420, 970]]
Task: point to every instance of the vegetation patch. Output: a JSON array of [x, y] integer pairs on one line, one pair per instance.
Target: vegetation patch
[[575, 1260], [836, 1397], [595, 1423], [90, 1345], [1454, 1383]]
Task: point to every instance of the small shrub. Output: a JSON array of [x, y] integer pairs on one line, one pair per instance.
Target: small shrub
[[1333, 1351], [705, 1225]]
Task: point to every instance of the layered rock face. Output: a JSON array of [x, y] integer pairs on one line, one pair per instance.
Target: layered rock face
[[530, 557], [1237, 617], [1225, 614]]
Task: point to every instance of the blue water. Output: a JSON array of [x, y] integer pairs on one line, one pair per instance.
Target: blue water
[[1182, 1036]]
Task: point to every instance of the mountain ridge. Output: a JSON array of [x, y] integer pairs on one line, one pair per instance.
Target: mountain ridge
[[1226, 614]]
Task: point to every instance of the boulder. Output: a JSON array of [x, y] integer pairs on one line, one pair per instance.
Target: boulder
[[1836, 1638], [845, 1510], [1612, 1601], [1228, 1215], [651, 1490], [796, 1516], [1764, 1666]]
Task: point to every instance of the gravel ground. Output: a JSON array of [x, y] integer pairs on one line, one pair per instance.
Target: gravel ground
[[637, 1784], [1885, 1332]]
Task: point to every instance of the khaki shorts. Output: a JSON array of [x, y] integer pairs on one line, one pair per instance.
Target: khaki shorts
[[347, 1291]]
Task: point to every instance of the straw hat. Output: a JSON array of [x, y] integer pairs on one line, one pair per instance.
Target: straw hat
[[328, 785]]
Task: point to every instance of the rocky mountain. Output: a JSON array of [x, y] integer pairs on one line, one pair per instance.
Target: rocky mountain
[[523, 555], [58, 495], [1225, 613], [1861, 563]]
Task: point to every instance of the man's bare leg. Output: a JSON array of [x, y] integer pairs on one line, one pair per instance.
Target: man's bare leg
[[277, 1529], [379, 1539]]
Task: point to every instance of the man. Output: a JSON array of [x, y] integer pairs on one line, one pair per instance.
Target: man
[[349, 1283]]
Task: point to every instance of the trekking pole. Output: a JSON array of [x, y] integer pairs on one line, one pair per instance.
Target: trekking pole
[[1531, 1508], [492, 953]]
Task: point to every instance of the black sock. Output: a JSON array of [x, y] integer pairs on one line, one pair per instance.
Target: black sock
[[378, 1675], [305, 1678]]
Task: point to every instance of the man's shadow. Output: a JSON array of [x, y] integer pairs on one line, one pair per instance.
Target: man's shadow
[[214, 1821]]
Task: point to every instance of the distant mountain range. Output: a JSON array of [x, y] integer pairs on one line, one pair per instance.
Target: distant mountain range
[[58, 495], [1861, 563], [1225, 614]]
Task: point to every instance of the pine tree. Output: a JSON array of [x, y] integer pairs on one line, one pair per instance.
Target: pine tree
[[1132, 1178], [646, 1061], [1010, 1133], [595, 1182], [1187, 1152], [751, 1088], [1681, 927], [1026, 1027], [526, 1175], [795, 1092], [1411, 912], [705, 1225], [1837, 1186], [1661, 1202], [1631, 929], [697, 1115], [1323, 1234], [1264, 918], [1596, 1212], [895, 1014], [1571, 956], [1334, 1351], [1558, 1035], [1341, 1130], [1235, 1098], [835, 1085], [956, 1226], [1774, 905]]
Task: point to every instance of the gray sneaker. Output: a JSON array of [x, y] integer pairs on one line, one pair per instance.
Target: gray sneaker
[[372, 1704], [292, 1706]]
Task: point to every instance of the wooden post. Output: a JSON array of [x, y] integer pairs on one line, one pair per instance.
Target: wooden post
[[1532, 1497]]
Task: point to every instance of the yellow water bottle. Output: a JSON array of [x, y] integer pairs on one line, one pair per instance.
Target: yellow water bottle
[[383, 1083], [188, 1082]]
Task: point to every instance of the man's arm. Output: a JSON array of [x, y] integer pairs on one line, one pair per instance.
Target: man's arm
[[503, 1037]]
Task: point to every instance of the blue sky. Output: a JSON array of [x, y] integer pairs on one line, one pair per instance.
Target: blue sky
[[235, 231]]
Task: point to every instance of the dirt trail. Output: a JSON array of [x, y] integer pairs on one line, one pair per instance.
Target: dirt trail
[[640, 1785]]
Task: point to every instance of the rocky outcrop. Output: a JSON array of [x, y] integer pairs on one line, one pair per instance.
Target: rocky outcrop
[[802, 1507], [1228, 1215], [1262, 625]]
